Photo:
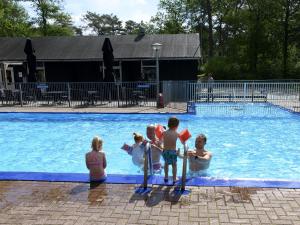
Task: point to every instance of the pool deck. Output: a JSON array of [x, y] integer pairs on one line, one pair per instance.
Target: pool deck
[[179, 108], [71, 203], [30, 202]]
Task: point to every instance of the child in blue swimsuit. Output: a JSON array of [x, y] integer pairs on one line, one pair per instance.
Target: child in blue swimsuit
[[169, 153]]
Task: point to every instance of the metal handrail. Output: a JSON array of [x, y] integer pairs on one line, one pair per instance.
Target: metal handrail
[[183, 178], [147, 153]]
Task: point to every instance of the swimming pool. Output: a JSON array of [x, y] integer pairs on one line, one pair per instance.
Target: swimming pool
[[247, 140]]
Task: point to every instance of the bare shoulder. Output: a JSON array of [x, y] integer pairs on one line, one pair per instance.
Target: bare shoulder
[[102, 153], [191, 150], [208, 153]]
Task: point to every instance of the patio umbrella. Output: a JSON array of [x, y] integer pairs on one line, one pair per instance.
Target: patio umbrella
[[31, 60], [108, 59]]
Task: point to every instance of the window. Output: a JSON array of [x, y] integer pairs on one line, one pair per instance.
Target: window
[[40, 72], [148, 70], [40, 75], [149, 74]]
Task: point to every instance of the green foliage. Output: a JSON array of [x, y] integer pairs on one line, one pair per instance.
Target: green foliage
[[14, 20], [252, 39], [103, 24], [248, 39], [171, 19], [222, 68], [131, 27], [51, 19]]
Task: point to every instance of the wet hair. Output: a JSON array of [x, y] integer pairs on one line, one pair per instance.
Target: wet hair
[[95, 142], [173, 122], [201, 136], [151, 126], [137, 137]]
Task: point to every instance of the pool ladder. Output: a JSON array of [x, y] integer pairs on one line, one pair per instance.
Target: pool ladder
[[147, 162]]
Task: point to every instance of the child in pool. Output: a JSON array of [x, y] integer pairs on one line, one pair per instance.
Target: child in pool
[[169, 153], [136, 150], [96, 161]]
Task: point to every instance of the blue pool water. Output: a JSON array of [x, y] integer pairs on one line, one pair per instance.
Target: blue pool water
[[247, 141]]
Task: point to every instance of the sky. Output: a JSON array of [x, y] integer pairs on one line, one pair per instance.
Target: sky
[[136, 10]]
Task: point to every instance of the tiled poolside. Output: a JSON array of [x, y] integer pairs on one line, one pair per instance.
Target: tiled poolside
[[107, 204], [175, 108]]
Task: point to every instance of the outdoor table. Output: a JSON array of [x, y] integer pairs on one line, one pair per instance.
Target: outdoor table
[[56, 96], [92, 97]]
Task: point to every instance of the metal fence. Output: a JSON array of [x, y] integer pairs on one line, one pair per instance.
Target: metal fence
[[98, 94], [285, 94], [176, 94]]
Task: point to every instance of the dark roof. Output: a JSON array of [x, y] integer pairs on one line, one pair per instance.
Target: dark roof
[[89, 47]]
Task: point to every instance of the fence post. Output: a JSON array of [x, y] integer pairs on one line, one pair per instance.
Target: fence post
[[69, 95], [245, 91], [184, 169], [118, 93], [252, 91], [21, 97]]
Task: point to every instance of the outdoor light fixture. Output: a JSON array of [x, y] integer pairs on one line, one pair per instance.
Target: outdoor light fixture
[[156, 47]]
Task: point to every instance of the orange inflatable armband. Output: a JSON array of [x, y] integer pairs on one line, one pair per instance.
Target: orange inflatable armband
[[184, 135], [159, 129]]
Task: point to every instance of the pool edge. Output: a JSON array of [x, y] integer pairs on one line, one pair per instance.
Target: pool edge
[[155, 180]]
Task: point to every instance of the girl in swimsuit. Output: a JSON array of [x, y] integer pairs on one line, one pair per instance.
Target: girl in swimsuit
[[96, 160]]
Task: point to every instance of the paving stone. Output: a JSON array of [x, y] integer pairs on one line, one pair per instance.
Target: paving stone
[[37, 203]]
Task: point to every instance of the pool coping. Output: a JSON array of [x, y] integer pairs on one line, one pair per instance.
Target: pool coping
[[154, 180], [151, 113]]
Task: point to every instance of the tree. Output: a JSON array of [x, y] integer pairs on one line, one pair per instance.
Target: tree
[[14, 21], [78, 31], [291, 11], [253, 39], [200, 18], [171, 19], [50, 18], [131, 27], [103, 24]]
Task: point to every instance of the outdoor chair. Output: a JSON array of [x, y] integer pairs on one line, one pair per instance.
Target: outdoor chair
[[2, 96], [55, 97], [139, 97], [140, 94], [29, 96], [11, 97]]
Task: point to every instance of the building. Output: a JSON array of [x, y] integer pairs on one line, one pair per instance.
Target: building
[[79, 58]]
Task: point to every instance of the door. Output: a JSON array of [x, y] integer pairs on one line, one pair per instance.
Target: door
[[9, 78]]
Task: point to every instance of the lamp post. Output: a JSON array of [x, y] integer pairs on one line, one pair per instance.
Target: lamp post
[[156, 47]]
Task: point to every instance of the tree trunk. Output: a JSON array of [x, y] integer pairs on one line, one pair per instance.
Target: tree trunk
[[201, 41], [255, 33], [221, 46], [286, 37], [44, 17], [210, 30]]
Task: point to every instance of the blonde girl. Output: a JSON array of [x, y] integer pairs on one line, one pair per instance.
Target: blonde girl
[[96, 160]]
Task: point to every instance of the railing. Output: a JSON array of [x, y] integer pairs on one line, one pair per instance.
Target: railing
[[285, 94], [98, 94], [176, 94]]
